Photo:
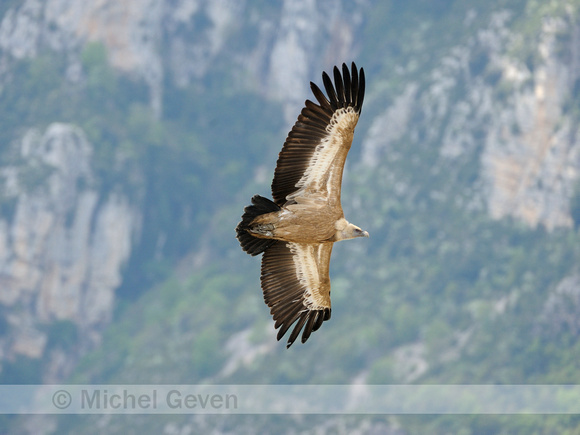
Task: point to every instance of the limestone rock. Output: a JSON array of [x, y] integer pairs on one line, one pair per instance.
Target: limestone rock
[[531, 159], [483, 97], [182, 39], [62, 250]]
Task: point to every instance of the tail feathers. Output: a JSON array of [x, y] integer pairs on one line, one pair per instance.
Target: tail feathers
[[251, 244]]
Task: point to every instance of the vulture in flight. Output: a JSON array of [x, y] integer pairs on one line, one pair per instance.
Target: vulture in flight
[[296, 231]]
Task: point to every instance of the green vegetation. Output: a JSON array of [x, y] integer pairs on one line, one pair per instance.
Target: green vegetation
[[575, 206], [4, 325], [62, 334], [21, 370]]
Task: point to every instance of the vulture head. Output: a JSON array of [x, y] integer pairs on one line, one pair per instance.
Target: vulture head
[[345, 230]]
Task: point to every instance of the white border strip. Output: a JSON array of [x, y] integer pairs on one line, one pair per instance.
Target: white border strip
[[289, 399]]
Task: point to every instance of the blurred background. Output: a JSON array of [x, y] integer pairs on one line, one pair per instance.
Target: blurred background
[[133, 133]]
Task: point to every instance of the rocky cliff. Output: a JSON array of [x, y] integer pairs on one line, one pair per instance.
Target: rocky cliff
[[531, 159], [484, 98], [183, 40], [63, 243]]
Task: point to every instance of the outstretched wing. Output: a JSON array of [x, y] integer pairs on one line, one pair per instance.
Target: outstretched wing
[[312, 158], [296, 286]]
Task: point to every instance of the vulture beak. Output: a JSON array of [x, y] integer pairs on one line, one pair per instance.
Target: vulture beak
[[361, 233]]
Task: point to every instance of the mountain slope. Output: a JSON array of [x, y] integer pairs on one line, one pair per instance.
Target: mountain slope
[[464, 169]]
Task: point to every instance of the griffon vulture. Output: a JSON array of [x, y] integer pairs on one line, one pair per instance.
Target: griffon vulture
[[296, 231]]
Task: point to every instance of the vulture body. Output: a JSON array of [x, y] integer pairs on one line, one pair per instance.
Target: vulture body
[[296, 231]]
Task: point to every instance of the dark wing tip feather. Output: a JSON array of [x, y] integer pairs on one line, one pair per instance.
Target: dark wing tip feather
[[322, 100], [348, 88], [354, 84], [296, 331], [338, 83], [310, 320], [330, 91], [327, 313], [347, 85], [286, 324], [319, 319], [361, 89]]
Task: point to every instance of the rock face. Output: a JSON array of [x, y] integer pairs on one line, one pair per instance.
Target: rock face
[[482, 96], [532, 157], [63, 247], [196, 34], [129, 29], [295, 56]]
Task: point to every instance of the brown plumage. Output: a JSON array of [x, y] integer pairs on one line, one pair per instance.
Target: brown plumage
[[296, 231]]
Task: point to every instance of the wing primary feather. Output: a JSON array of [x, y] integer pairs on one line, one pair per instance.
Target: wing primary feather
[[330, 91], [297, 329], [361, 90], [354, 85], [319, 320], [327, 313], [321, 97], [347, 85], [310, 325], [339, 87], [286, 325]]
